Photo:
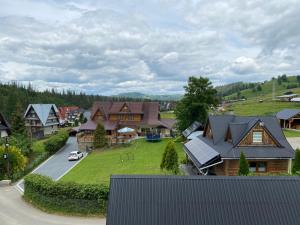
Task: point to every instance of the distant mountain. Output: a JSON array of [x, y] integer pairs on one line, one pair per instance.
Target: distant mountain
[[138, 95]]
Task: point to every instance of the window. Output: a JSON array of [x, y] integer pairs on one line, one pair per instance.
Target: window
[[130, 117], [258, 167], [257, 137]]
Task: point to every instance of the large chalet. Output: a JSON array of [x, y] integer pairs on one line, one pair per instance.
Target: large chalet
[[217, 150], [143, 117], [41, 119]]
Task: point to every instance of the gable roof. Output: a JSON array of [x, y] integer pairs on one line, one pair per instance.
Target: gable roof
[[4, 125], [66, 109], [193, 200], [239, 126], [287, 114], [42, 111]]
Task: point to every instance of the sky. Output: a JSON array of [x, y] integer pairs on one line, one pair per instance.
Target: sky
[[151, 46]]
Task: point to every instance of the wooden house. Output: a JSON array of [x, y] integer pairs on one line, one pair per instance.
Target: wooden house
[[41, 119], [225, 137], [289, 118], [143, 117]]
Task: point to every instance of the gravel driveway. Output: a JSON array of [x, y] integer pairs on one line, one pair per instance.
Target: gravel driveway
[[15, 211], [57, 165]]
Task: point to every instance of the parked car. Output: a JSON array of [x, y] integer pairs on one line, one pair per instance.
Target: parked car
[[75, 155]]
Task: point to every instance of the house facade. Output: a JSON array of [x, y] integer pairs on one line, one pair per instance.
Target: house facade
[[69, 114], [5, 130], [217, 150], [41, 119], [289, 118], [143, 117]]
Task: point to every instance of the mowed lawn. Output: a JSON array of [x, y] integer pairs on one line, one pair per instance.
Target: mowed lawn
[[140, 157], [291, 133]]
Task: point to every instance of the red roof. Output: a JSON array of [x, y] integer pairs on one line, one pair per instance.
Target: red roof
[[66, 109]]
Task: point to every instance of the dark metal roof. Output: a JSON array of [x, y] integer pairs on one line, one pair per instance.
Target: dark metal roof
[[200, 152], [196, 200], [239, 126], [193, 127], [4, 125], [287, 114]]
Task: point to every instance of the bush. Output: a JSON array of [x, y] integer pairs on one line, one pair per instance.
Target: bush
[[243, 166], [16, 160], [56, 142], [66, 197], [296, 165], [170, 158], [30, 166]]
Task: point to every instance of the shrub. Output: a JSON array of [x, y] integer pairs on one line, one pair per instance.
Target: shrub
[[16, 161], [66, 197], [243, 166], [56, 142], [296, 165], [170, 158], [99, 137]]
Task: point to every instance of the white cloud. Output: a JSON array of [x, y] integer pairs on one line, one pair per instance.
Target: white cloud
[[117, 45]]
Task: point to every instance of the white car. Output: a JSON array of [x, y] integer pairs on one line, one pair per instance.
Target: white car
[[75, 155]]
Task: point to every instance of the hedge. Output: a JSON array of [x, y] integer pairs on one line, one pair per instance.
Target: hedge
[[56, 142], [66, 197]]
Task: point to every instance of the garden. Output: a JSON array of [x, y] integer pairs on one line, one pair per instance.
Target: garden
[[140, 157]]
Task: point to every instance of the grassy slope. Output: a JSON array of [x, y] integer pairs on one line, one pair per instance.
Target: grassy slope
[[97, 167], [167, 115], [252, 106]]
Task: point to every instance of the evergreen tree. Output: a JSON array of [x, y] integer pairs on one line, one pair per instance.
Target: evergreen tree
[[17, 121], [243, 166], [170, 158], [199, 97], [296, 165], [99, 137]]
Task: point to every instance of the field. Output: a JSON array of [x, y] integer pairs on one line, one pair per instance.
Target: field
[[167, 115], [267, 107], [140, 157]]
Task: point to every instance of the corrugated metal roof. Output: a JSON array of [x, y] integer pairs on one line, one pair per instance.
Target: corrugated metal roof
[[287, 114], [196, 200]]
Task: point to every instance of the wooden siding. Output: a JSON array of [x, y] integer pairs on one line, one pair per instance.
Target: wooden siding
[[125, 117], [98, 117], [230, 167], [266, 138]]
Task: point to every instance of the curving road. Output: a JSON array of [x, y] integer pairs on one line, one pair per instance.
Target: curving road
[[57, 165], [15, 211]]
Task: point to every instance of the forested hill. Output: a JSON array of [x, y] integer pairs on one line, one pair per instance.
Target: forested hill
[[11, 94]]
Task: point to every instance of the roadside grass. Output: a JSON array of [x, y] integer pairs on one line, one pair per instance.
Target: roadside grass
[[291, 133], [253, 107], [140, 157], [168, 115]]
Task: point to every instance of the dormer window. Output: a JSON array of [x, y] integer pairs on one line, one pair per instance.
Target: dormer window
[[257, 137]]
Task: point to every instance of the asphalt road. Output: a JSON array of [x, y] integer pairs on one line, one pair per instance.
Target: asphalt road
[[15, 211], [57, 165]]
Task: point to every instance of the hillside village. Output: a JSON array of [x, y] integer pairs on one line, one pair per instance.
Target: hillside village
[[136, 137]]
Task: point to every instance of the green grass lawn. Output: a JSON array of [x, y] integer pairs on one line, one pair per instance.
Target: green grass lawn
[[267, 107], [291, 133], [168, 115], [98, 166]]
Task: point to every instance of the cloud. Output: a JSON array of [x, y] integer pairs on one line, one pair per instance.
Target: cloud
[[117, 46], [244, 65]]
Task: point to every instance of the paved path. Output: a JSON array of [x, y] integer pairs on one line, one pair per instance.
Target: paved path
[[294, 142], [57, 165], [15, 211]]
